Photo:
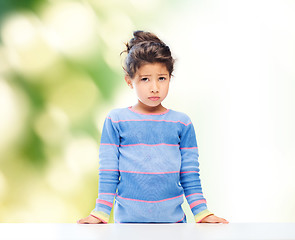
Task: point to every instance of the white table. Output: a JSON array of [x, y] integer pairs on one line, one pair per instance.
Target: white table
[[186, 231]]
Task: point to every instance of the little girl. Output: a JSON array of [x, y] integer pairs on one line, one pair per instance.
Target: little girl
[[149, 154]]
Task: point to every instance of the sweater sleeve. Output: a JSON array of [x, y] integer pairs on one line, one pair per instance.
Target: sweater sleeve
[[189, 173], [108, 170]]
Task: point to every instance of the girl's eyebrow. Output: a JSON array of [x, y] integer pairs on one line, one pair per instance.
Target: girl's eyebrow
[[148, 75]]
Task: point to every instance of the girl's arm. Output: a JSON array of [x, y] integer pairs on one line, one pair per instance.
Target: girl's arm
[[108, 173]]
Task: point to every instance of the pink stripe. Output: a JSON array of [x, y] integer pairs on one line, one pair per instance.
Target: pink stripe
[[189, 148], [111, 144], [180, 219], [190, 172], [137, 200], [194, 194], [108, 170], [150, 145], [107, 194], [149, 172], [104, 202], [197, 203], [115, 170], [143, 144], [148, 120]]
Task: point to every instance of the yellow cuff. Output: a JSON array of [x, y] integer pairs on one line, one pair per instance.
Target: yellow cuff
[[101, 215], [201, 215]]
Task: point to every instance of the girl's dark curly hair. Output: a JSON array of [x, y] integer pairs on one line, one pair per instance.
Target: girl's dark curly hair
[[146, 47]]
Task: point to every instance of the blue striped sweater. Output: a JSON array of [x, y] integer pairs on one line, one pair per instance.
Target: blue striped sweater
[[147, 162]]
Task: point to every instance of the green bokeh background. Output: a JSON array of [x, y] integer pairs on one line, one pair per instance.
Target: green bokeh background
[[60, 71]]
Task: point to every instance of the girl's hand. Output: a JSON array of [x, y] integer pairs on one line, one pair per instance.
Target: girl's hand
[[89, 220], [213, 219]]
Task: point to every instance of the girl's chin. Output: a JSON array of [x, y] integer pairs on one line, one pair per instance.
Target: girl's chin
[[155, 105]]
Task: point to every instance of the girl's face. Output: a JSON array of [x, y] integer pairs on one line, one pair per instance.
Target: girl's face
[[151, 83]]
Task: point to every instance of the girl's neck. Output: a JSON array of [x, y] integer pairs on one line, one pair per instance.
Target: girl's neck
[[142, 108]]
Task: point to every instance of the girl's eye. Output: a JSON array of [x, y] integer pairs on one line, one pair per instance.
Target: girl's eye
[[162, 78], [144, 79]]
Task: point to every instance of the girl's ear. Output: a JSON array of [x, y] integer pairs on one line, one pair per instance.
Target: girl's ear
[[128, 81]]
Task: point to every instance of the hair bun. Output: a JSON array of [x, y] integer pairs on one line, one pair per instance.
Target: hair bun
[[142, 37]]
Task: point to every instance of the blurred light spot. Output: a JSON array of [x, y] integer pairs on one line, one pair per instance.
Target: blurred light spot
[[76, 96], [60, 178], [52, 125], [27, 48], [13, 111], [81, 155], [19, 30], [73, 28]]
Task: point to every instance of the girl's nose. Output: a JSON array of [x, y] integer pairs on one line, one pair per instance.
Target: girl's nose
[[154, 87]]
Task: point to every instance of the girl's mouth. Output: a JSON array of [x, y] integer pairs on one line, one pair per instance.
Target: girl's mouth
[[154, 98]]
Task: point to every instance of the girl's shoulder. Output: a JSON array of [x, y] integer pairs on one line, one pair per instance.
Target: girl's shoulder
[[117, 113], [181, 116]]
